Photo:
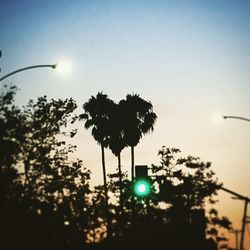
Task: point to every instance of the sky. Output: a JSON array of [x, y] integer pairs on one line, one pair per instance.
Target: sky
[[190, 58]]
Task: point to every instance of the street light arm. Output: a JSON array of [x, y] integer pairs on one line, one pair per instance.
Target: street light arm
[[53, 66], [239, 196], [236, 117]]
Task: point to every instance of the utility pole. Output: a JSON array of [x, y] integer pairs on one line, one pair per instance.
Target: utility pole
[[244, 221], [236, 233]]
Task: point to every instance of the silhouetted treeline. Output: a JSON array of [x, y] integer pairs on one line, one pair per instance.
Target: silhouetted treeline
[[46, 201]]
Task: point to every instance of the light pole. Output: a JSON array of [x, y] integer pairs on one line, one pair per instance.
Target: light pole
[[246, 199], [53, 66], [236, 117], [244, 219]]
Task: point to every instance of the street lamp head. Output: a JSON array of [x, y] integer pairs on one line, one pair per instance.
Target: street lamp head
[[63, 67], [217, 118]]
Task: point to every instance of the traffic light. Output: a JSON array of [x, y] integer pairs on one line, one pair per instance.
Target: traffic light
[[142, 185]]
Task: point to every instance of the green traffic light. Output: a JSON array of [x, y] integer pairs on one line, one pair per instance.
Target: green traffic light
[[142, 187]]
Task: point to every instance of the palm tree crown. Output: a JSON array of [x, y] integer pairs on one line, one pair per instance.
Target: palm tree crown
[[138, 120], [97, 115], [116, 131]]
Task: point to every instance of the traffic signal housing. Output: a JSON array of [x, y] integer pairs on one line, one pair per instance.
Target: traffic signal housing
[[141, 186]]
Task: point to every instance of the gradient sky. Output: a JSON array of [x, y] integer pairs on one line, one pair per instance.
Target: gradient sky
[[191, 59]]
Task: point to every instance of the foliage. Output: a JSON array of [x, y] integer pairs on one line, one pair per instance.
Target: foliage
[[97, 115], [174, 214], [184, 181], [45, 196], [41, 188], [117, 126], [216, 224], [138, 118]]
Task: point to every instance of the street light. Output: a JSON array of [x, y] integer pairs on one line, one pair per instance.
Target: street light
[[244, 219], [53, 66], [236, 117], [64, 67], [246, 199]]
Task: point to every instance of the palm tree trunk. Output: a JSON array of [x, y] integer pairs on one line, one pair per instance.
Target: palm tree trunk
[[104, 168], [27, 183], [121, 218], [132, 180], [132, 163], [120, 180], [106, 192], [119, 167]]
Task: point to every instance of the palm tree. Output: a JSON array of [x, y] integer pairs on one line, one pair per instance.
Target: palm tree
[[138, 120], [116, 141], [97, 115]]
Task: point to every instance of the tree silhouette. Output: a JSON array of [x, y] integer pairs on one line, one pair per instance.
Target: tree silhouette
[[216, 223], [44, 120], [46, 201], [138, 120], [173, 216], [185, 181], [186, 184], [97, 115], [44, 196], [117, 143], [11, 130]]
